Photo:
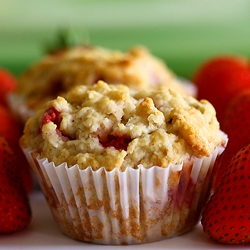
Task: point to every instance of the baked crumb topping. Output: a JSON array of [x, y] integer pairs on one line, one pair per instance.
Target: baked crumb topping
[[112, 126]]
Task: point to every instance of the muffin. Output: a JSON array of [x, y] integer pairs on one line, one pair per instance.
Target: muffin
[[124, 167], [56, 73]]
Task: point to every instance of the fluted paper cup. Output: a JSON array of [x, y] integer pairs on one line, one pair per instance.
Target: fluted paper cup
[[19, 108], [131, 207]]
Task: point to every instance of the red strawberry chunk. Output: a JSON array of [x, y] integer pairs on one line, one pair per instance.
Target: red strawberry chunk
[[51, 115], [118, 142]]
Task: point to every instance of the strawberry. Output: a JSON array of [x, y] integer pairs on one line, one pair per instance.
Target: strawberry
[[15, 213], [236, 124], [8, 84], [119, 142], [221, 78], [12, 132], [226, 215]]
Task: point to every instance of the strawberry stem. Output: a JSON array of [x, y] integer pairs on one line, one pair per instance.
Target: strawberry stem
[[67, 37]]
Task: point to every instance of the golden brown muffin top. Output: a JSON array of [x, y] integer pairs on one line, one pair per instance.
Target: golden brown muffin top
[[112, 126]]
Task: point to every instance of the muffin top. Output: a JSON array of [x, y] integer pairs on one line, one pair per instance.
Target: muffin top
[[105, 125], [56, 73]]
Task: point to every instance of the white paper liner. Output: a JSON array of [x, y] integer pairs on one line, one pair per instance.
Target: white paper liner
[[18, 108], [190, 86], [135, 206]]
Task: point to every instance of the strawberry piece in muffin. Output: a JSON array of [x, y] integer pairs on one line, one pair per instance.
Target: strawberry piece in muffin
[[118, 142]]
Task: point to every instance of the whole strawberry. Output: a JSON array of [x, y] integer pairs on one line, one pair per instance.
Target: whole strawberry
[[15, 213], [236, 124], [226, 215], [12, 132], [8, 84], [221, 78]]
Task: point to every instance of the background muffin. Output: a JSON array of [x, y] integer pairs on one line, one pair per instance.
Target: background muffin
[[63, 69], [134, 166]]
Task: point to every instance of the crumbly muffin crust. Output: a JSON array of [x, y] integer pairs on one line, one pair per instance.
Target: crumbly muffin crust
[[110, 126], [85, 65]]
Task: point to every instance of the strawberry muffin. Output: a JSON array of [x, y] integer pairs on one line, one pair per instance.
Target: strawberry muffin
[[122, 167], [85, 65]]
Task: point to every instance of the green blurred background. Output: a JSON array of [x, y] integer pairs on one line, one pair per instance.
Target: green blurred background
[[183, 33]]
